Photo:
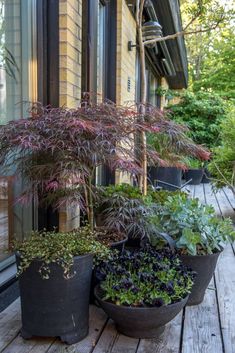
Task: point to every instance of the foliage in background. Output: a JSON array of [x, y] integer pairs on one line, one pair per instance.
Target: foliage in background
[[222, 167], [202, 112], [144, 278], [217, 72], [59, 248], [195, 228]]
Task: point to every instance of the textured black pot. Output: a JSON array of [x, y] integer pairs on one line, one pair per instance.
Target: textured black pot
[[204, 265], [140, 322], [194, 174], [170, 175], [206, 179], [56, 307]]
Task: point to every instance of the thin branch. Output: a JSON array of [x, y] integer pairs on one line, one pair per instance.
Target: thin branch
[[181, 33]]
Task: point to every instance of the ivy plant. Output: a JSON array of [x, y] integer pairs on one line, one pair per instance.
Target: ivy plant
[[59, 248]]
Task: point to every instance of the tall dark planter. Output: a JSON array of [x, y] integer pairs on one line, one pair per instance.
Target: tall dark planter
[[195, 175], [169, 175], [56, 307], [204, 266], [140, 322]]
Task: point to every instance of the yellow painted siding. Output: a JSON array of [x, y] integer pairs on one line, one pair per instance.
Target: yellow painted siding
[[126, 31], [70, 52], [70, 23]]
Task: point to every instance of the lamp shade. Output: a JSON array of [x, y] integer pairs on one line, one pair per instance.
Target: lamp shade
[[151, 30]]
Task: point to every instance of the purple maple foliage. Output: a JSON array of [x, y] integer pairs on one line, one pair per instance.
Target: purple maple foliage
[[58, 150]]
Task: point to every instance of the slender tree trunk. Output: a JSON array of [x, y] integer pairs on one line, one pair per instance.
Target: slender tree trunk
[[143, 86], [91, 205]]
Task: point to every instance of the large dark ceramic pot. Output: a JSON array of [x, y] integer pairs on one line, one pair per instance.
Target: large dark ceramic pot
[[204, 265], [56, 307], [140, 322], [169, 175], [194, 176]]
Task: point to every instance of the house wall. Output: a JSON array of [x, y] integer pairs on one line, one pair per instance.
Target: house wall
[[70, 64], [126, 31], [70, 69]]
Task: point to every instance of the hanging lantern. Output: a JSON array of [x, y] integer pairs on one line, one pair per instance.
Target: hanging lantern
[[151, 30]]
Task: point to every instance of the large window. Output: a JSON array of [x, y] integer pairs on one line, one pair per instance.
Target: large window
[[18, 67]]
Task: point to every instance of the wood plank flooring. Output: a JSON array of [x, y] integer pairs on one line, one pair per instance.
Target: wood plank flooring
[[206, 328]]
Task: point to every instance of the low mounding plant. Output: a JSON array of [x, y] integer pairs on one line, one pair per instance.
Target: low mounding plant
[[193, 163], [59, 248], [144, 278], [193, 227], [57, 150], [124, 208]]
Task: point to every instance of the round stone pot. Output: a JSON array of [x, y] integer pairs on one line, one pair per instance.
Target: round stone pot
[[194, 174], [56, 307], [168, 175], [140, 322], [204, 265]]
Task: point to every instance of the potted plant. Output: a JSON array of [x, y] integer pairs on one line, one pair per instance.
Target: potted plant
[[54, 277], [173, 152], [143, 290], [198, 234], [194, 173]]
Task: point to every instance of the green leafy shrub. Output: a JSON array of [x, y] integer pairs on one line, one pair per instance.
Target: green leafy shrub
[[59, 248], [127, 190], [144, 278], [161, 196], [193, 163], [202, 112], [193, 226], [222, 167]]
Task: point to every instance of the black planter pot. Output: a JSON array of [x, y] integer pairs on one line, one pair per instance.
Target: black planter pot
[[119, 245], [140, 322], [169, 175], [204, 266], [56, 307], [194, 174], [206, 179]]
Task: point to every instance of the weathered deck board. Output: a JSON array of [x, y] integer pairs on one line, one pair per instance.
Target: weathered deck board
[[98, 320], [30, 346], [107, 339], [168, 343], [230, 196], [202, 332], [225, 283], [207, 328], [125, 344], [10, 323], [225, 278], [199, 193]]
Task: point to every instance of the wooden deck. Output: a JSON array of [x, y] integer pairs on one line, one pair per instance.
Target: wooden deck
[[206, 328]]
